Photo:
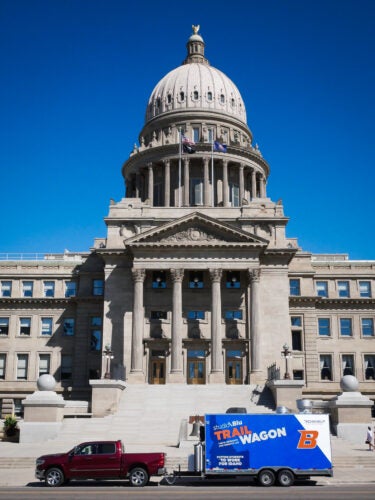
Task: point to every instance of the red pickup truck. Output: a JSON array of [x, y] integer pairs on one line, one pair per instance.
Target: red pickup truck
[[99, 460]]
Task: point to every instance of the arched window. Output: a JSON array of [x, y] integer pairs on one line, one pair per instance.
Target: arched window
[[158, 102], [182, 96], [209, 96], [169, 98], [195, 95], [222, 98]]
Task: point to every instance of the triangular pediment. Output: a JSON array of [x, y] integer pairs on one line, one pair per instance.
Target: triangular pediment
[[195, 230]]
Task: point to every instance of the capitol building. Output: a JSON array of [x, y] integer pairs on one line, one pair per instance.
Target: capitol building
[[196, 281]]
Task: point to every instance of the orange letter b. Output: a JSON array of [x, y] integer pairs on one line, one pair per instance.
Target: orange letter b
[[307, 439]]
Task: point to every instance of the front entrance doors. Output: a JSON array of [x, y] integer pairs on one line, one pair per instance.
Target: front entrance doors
[[157, 371], [196, 366], [233, 368]]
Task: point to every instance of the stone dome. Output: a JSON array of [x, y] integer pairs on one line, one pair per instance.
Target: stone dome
[[196, 86]]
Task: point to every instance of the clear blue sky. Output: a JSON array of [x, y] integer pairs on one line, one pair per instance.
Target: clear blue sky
[[76, 76]]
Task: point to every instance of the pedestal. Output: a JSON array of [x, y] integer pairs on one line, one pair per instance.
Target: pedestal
[[106, 395], [285, 392]]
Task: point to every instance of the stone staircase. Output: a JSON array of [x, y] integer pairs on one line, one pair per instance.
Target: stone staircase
[[159, 414]]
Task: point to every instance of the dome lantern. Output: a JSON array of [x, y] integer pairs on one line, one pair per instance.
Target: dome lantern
[[195, 48]]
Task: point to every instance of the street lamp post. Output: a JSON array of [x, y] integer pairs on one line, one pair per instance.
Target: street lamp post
[[108, 354], [286, 353]]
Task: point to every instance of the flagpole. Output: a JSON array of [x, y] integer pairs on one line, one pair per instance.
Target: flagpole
[[179, 169], [212, 170]]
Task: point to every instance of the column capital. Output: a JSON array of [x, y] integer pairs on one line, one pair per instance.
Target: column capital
[[206, 161], [167, 162], [186, 161], [254, 275], [177, 275], [215, 274], [241, 166], [224, 162], [138, 275], [149, 165]]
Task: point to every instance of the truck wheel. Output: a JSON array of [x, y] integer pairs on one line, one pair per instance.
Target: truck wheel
[[54, 477], [266, 477], [170, 478], [138, 477], [285, 477]]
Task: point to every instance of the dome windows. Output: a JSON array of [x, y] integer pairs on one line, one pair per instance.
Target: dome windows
[[182, 96], [232, 102], [158, 102], [209, 96], [169, 98], [195, 95], [222, 98]]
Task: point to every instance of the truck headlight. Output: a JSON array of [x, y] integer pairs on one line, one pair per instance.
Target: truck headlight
[[39, 461]]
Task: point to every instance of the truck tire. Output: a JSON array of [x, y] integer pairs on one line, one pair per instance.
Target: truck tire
[[285, 477], [138, 477], [266, 477], [54, 477]]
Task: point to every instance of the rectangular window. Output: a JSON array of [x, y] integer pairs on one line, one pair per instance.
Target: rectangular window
[[96, 333], [343, 288], [22, 366], [296, 340], [365, 288], [233, 315], [210, 135], [27, 288], [18, 408], [196, 279], [325, 366], [69, 326], [234, 194], [296, 321], [66, 366], [44, 364], [367, 325], [97, 287], [70, 288], [233, 279], [159, 279], [46, 328], [4, 326], [6, 288], [195, 315], [347, 361], [158, 194], [324, 327], [196, 135], [345, 327], [49, 288], [3, 360], [158, 315], [322, 288], [369, 366], [297, 374], [294, 286], [25, 326]]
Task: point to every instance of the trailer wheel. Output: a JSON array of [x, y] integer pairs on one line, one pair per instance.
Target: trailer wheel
[[138, 477], [54, 477], [170, 478], [285, 477], [266, 477]]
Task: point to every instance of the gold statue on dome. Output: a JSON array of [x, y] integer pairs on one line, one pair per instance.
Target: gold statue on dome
[[196, 29]]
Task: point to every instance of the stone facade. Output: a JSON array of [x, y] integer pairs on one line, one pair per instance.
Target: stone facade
[[196, 281]]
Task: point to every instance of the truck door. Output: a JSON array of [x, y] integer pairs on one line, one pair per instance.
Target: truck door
[[95, 460]]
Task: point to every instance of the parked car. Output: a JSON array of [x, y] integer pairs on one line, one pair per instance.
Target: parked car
[[99, 460]]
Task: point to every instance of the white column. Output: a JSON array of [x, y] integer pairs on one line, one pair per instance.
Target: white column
[[254, 277], [150, 184], [138, 320], [206, 181], [176, 374], [241, 183], [253, 184], [167, 183], [217, 370], [225, 184], [186, 182]]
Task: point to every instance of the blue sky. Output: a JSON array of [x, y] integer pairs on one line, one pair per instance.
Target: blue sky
[[76, 76]]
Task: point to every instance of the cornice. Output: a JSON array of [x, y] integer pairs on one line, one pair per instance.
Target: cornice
[[319, 301]]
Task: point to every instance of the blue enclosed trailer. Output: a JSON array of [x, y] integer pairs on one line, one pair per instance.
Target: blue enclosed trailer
[[269, 447]]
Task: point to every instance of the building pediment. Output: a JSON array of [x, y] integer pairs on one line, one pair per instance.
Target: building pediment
[[195, 230]]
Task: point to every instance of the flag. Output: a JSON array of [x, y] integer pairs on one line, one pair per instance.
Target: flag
[[188, 145], [222, 148]]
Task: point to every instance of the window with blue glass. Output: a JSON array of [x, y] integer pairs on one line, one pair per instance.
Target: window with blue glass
[[324, 327], [367, 325], [322, 288], [233, 279], [70, 288], [343, 288], [296, 321], [196, 279], [159, 279], [294, 285], [97, 287], [96, 333], [345, 327], [195, 315], [233, 314], [365, 288]]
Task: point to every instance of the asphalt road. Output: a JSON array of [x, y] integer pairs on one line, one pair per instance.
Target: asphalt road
[[203, 490]]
